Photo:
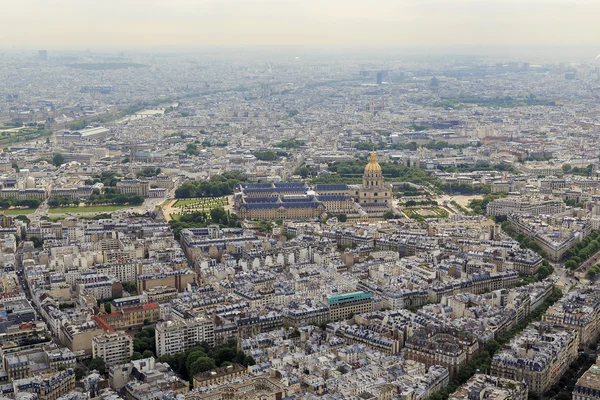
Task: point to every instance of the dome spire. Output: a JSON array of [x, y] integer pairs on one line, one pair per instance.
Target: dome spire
[[373, 165]]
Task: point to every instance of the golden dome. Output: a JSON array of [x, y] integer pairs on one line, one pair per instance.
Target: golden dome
[[373, 165]]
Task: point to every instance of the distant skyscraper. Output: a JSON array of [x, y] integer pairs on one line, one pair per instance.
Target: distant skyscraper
[[380, 76], [43, 55]]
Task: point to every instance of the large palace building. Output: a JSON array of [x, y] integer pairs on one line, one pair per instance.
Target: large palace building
[[298, 201]]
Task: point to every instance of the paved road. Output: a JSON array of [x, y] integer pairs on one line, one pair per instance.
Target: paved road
[[562, 280]]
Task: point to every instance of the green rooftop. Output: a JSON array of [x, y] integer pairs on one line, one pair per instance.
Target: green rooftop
[[341, 298]]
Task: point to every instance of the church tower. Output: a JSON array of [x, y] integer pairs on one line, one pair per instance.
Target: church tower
[[374, 190], [372, 177]]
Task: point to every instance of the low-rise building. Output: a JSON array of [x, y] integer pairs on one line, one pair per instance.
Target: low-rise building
[[218, 376], [135, 316]]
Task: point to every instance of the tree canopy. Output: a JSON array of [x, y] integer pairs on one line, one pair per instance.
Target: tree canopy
[[216, 186], [58, 159]]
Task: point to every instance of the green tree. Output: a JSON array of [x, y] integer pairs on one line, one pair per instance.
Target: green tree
[[289, 144], [137, 355], [571, 264], [130, 287], [79, 372], [202, 364], [107, 307], [224, 354], [217, 214], [192, 149], [303, 172], [566, 168], [193, 356], [248, 361], [148, 172], [147, 354], [389, 215], [266, 155], [98, 364], [58, 159], [37, 241], [23, 218], [491, 347], [169, 359]]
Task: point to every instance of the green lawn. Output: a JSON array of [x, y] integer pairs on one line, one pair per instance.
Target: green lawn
[[89, 209], [19, 211]]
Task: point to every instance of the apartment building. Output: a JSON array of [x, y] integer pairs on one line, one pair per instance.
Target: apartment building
[[123, 271], [449, 349], [588, 386], [219, 376], [23, 194], [520, 205], [344, 306], [527, 263], [49, 388], [161, 294], [303, 316], [135, 187], [17, 366], [539, 356], [488, 387], [579, 311], [114, 348], [135, 316], [176, 279], [99, 286], [177, 336], [78, 337]]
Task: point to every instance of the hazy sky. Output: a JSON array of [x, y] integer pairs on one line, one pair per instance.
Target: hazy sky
[[60, 24]]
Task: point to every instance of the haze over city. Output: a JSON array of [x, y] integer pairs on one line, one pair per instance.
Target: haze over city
[[300, 200], [191, 24]]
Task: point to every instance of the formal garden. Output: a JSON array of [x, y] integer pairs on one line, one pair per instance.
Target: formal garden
[[186, 206], [421, 213]]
